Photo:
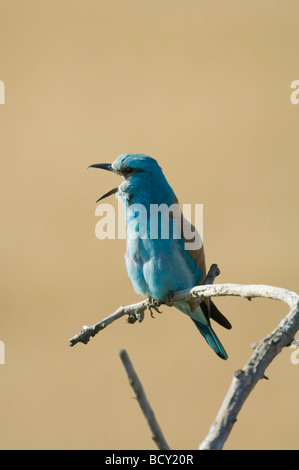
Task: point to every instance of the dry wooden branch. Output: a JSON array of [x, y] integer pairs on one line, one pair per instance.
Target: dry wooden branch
[[146, 408], [244, 379], [134, 312], [265, 351]]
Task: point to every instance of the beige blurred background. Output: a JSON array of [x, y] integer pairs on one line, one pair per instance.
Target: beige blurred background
[[203, 86]]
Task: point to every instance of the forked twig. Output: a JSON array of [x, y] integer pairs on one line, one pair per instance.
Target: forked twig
[[244, 379]]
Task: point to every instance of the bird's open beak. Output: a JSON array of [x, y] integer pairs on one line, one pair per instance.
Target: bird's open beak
[[105, 166]]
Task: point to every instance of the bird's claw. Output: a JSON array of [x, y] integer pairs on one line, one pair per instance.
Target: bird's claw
[[153, 304]]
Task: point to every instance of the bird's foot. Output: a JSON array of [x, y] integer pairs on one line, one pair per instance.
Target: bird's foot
[[153, 304]]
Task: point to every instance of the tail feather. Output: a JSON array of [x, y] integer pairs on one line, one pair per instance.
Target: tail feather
[[219, 317], [211, 338]]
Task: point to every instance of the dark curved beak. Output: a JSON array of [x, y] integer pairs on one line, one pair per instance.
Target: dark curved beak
[[105, 166], [112, 191]]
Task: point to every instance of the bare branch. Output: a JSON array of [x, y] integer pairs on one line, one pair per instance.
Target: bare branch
[[247, 291], [264, 352], [135, 313], [146, 408], [244, 379]]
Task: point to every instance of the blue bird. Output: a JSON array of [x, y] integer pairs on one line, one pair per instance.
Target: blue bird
[[160, 265]]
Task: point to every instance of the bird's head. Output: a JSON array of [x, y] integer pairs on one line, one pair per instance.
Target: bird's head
[[144, 181]]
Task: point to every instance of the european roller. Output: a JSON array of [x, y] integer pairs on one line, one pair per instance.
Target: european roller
[[157, 260]]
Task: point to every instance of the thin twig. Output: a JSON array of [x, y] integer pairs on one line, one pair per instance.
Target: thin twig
[[135, 313], [146, 408]]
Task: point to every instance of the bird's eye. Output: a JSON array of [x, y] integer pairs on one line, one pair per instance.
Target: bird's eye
[[128, 171]]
